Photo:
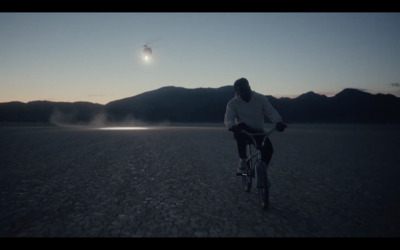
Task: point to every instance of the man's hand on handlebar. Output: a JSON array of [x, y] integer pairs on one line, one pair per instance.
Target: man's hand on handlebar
[[280, 126], [239, 127]]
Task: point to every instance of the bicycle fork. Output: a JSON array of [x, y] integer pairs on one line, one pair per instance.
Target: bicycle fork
[[260, 171]]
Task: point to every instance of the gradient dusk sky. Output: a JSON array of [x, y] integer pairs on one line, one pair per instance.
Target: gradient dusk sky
[[97, 57]]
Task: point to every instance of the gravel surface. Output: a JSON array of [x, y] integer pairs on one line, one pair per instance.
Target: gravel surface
[[327, 181]]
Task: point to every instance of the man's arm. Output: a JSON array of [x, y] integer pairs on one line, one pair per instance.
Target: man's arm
[[273, 115], [270, 111], [230, 116]]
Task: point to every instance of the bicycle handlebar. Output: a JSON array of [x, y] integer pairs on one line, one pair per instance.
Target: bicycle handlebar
[[255, 134], [265, 134]]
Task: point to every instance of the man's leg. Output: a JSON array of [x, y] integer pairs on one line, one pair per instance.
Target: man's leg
[[267, 151], [241, 140]]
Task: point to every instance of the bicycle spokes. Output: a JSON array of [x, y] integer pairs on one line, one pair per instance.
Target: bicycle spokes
[[262, 185]]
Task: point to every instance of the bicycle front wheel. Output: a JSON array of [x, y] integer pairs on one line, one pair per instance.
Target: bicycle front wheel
[[262, 184], [247, 178]]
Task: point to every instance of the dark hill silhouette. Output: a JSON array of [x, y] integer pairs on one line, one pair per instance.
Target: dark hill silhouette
[[173, 104], [308, 107], [358, 106], [45, 111], [349, 105], [176, 104]]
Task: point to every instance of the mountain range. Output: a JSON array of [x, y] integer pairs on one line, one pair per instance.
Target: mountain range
[[207, 105]]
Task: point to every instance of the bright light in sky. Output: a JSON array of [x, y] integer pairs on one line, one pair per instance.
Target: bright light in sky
[[97, 57], [147, 58]]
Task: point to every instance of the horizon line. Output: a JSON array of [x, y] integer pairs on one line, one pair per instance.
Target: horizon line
[[290, 96]]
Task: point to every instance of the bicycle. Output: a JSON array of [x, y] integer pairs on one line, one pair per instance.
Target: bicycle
[[257, 169]]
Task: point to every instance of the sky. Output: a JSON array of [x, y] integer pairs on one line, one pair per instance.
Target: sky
[[98, 57]]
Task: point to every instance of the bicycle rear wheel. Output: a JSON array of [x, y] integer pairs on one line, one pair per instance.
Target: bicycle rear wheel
[[262, 184]]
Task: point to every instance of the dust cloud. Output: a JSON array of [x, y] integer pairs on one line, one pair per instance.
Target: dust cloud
[[100, 120]]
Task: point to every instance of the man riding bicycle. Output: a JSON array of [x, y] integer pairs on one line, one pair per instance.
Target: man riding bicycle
[[245, 111]]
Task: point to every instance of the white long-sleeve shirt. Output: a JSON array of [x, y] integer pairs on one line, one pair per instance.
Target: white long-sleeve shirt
[[251, 113]]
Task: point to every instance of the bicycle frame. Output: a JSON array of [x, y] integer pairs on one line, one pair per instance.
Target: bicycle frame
[[258, 169], [258, 147]]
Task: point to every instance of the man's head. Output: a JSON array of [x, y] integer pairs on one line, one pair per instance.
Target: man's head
[[243, 89]]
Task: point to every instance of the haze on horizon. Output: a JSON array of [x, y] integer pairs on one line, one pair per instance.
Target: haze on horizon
[[97, 57]]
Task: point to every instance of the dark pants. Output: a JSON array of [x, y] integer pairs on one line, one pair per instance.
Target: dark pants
[[242, 140]]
